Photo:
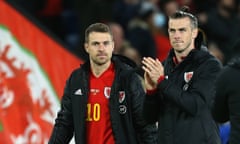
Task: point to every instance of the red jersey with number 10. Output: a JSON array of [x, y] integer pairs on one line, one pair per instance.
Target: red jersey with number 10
[[99, 128]]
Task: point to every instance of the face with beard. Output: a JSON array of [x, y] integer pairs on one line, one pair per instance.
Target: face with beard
[[100, 47], [182, 35]]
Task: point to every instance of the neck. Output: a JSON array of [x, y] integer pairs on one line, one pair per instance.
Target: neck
[[97, 69], [180, 55]]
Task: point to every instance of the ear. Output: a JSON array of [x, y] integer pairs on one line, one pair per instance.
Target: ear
[[195, 33], [113, 45], [86, 47]]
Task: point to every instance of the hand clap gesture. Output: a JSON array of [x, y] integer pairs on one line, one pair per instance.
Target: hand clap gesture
[[153, 71]]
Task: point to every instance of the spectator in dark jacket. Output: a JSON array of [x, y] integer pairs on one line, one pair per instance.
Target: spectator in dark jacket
[[223, 26], [227, 101], [139, 33]]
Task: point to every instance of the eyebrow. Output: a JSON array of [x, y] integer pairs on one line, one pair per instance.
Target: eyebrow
[[98, 42], [180, 29]]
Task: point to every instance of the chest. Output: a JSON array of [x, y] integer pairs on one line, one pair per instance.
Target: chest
[[181, 75]]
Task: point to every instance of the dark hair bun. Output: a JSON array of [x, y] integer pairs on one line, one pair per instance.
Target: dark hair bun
[[185, 9]]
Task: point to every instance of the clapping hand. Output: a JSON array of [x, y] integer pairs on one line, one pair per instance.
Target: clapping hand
[[153, 70]]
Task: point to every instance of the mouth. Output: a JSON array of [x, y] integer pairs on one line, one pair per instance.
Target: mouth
[[101, 55], [177, 42]]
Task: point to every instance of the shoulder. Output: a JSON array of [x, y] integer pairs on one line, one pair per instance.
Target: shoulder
[[83, 68], [203, 57], [229, 74], [121, 60], [212, 65]]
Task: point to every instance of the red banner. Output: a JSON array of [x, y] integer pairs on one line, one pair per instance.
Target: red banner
[[33, 71]]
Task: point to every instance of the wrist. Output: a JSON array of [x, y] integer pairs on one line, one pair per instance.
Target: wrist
[[153, 90], [160, 79]]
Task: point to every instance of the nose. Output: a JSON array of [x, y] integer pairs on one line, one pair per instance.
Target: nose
[[176, 35], [101, 46]]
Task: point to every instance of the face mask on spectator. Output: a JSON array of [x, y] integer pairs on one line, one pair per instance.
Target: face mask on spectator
[[159, 20]]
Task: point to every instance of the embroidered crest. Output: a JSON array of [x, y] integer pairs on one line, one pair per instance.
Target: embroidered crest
[[188, 76], [121, 96], [107, 91]]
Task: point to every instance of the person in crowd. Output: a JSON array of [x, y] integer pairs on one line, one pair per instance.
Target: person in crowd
[[121, 45], [118, 36], [215, 51], [123, 11], [180, 90], [139, 33], [222, 26], [103, 99], [227, 101]]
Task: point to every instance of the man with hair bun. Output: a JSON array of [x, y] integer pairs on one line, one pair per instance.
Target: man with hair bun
[[180, 90]]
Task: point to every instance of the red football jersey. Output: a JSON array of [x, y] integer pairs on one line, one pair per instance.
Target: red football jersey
[[99, 128]]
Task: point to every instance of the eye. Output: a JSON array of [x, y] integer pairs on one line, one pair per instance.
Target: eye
[[171, 31], [106, 43], [182, 30], [95, 43]]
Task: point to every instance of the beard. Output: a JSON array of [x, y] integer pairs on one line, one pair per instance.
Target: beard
[[98, 60], [183, 49]]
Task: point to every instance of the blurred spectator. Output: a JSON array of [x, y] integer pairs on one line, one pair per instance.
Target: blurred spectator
[[130, 52], [227, 100], [215, 51], [157, 21], [189, 3], [118, 36], [121, 45], [156, 24], [139, 33], [124, 11], [168, 7], [223, 26], [68, 19]]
